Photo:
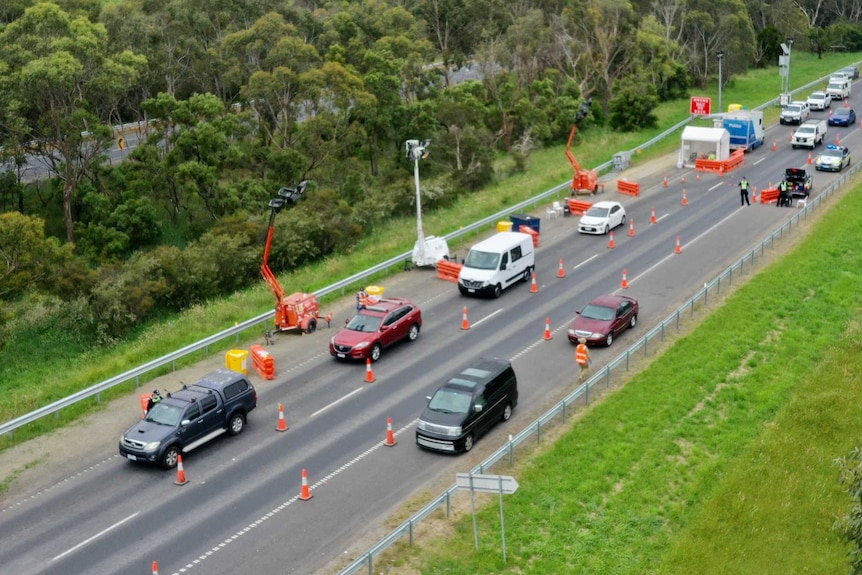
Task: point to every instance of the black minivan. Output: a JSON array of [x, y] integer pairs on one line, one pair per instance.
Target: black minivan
[[468, 405]]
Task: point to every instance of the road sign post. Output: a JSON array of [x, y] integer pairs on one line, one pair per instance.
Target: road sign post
[[501, 484]]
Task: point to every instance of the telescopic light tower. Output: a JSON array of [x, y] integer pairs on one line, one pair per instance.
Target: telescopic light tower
[[418, 151]]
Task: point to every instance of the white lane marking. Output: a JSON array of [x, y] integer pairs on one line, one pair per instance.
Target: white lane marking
[[760, 160], [718, 185], [337, 401], [487, 317], [586, 261], [96, 536], [672, 254], [271, 514]]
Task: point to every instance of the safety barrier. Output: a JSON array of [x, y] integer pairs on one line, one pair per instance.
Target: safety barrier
[[532, 232], [628, 187], [448, 271], [720, 166], [578, 207], [264, 363], [769, 195]]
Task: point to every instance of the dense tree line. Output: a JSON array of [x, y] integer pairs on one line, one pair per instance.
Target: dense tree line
[[241, 97]]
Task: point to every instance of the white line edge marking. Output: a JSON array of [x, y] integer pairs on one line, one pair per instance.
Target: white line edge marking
[[760, 160], [96, 536], [487, 317], [337, 401], [586, 261], [718, 185]]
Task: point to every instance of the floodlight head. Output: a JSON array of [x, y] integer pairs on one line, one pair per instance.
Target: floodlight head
[[290, 195], [720, 55], [276, 204], [426, 143], [409, 146]]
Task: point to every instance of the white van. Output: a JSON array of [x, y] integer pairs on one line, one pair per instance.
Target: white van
[[494, 264], [838, 88]]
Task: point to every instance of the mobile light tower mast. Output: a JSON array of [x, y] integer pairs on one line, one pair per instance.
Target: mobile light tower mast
[[784, 72], [427, 251]]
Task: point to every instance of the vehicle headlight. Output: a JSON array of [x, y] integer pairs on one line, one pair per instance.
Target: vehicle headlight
[[596, 335], [571, 331], [332, 340], [152, 446], [454, 431], [421, 426], [362, 345]]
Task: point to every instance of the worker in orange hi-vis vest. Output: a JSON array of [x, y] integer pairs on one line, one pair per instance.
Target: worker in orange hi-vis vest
[[582, 357]]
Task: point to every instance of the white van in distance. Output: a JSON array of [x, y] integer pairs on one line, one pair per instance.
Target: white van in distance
[[494, 264]]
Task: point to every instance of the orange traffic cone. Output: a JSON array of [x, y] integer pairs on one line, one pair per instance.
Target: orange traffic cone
[[631, 227], [625, 283], [791, 135], [754, 194], [677, 249], [611, 243], [721, 170], [561, 273], [846, 103], [305, 493], [682, 179], [837, 141], [809, 158], [665, 181], [547, 336], [390, 437], [369, 375], [464, 323], [155, 568], [181, 474], [533, 287], [774, 146], [652, 219], [282, 424], [684, 198]]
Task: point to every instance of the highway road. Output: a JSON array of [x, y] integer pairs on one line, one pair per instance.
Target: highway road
[[240, 512]]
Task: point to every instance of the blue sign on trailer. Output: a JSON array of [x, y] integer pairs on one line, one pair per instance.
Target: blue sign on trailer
[[745, 129]]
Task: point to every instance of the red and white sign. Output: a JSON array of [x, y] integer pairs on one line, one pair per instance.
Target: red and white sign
[[700, 106]]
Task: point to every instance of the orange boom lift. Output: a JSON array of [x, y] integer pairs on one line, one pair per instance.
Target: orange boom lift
[[298, 311], [584, 181]]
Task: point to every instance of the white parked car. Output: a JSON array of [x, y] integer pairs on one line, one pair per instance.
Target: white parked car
[[820, 100], [602, 217]]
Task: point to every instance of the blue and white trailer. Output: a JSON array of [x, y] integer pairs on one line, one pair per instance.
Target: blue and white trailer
[[745, 128]]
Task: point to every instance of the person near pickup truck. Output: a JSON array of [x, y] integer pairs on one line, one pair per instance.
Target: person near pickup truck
[[155, 398], [743, 192], [784, 194]]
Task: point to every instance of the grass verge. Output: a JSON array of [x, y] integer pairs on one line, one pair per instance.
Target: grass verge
[[716, 459]]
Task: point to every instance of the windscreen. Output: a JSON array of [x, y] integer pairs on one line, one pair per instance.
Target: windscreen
[[482, 260], [597, 212], [599, 312], [450, 401], [364, 323], [165, 414]]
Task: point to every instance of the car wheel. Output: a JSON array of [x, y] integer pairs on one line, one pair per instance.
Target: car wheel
[[607, 229], [527, 274], [610, 339], [507, 412], [623, 221], [413, 333], [312, 327], [376, 350], [633, 321], [237, 424], [171, 456], [468, 443], [498, 291]]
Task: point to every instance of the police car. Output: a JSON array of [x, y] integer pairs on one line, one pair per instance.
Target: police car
[[834, 158]]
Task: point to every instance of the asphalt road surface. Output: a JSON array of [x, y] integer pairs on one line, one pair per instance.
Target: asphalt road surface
[[240, 512]]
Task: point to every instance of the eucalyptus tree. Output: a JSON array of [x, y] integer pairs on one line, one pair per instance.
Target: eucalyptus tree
[[59, 66]]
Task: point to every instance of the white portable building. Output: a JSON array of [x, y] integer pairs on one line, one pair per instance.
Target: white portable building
[[706, 143]]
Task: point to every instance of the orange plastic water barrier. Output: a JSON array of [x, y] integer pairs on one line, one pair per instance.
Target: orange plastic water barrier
[[264, 363], [769, 195], [532, 232], [578, 207], [628, 187], [448, 270]]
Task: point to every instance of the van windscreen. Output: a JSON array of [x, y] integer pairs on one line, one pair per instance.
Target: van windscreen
[[450, 401], [482, 260]]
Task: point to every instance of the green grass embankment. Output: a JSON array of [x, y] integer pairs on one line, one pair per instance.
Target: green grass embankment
[[719, 458]]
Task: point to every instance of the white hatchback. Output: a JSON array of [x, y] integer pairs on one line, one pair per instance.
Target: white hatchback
[[602, 217]]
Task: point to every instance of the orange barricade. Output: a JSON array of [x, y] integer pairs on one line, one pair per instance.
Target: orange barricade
[[578, 207], [721, 166], [769, 195], [628, 188], [532, 232], [448, 271], [264, 363]]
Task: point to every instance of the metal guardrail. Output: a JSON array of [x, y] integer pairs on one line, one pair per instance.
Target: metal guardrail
[[603, 377]]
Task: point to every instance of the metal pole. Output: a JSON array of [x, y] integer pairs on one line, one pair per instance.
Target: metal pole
[[720, 57], [473, 509], [502, 521], [421, 253]]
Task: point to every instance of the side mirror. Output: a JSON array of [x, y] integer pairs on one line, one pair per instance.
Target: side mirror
[[478, 408], [346, 321], [384, 328], [185, 422]]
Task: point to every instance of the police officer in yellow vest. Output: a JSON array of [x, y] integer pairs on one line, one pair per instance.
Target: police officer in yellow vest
[[743, 192], [784, 194]]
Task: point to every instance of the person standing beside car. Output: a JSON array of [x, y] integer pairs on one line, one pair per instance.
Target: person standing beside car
[[582, 358]]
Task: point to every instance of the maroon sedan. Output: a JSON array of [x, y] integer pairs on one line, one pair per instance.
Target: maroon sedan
[[604, 318], [376, 327]]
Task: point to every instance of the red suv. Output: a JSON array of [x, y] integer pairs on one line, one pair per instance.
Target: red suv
[[376, 327]]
